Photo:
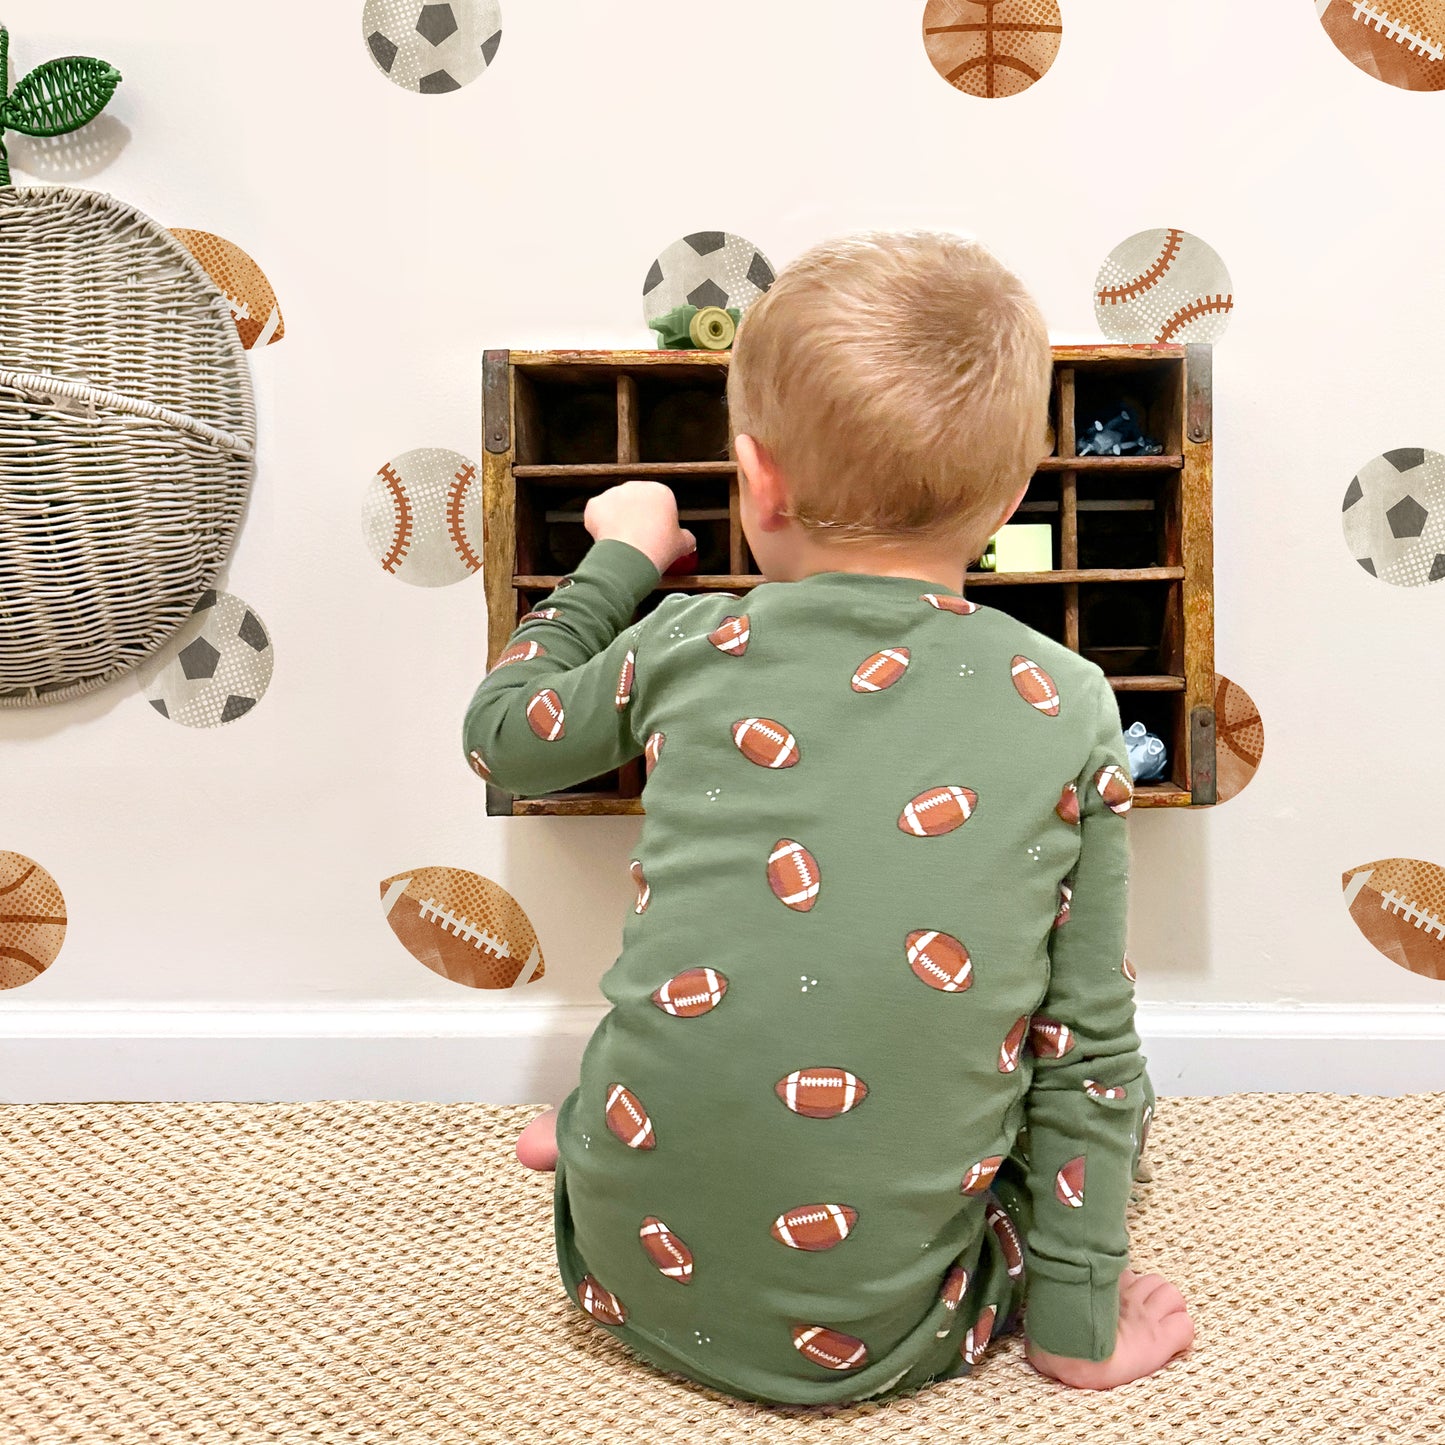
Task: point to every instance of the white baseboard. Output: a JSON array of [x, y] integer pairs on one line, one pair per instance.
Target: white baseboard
[[518, 1055]]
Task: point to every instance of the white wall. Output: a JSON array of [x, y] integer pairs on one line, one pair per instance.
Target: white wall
[[403, 234]]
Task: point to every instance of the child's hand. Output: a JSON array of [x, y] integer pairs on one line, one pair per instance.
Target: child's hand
[[644, 515], [1154, 1326]]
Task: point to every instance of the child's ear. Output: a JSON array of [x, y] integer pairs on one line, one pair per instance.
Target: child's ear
[[759, 476]]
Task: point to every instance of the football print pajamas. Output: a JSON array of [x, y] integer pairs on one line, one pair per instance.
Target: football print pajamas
[[869, 1084]]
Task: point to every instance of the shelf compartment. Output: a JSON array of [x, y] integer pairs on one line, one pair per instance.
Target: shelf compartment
[[1128, 521], [1153, 389], [551, 538], [1125, 629], [681, 419], [564, 422], [1039, 607]]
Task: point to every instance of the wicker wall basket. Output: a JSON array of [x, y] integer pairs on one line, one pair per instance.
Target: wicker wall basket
[[127, 439]]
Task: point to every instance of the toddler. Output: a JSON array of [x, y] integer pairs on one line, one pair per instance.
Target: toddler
[[870, 1082]]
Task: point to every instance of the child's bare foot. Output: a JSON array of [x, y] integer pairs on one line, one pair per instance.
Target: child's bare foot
[[1154, 1327], [537, 1143]]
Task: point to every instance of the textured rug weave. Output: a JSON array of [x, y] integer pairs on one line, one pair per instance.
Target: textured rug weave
[[359, 1273]]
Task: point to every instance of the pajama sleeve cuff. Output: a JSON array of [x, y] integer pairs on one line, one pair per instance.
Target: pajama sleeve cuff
[[625, 574], [1070, 1310]]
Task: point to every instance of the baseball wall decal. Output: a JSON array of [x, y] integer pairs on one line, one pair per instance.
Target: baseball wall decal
[[242, 282], [1399, 905], [1394, 517], [1164, 286], [462, 926], [215, 669], [32, 920], [992, 48], [432, 49], [422, 517], [706, 268], [1401, 42]]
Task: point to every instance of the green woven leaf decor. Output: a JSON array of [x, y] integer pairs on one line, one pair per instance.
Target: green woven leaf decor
[[56, 97]]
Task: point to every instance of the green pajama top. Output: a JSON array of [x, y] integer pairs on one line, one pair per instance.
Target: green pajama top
[[879, 929]]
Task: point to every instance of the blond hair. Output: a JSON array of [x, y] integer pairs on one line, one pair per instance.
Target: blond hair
[[900, 381]]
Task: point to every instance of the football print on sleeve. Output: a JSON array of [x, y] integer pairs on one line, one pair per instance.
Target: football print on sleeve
[[669, 1253], [625, 680], [830, 1348], [653, 751], [980, 1175], [793, 875], [1050, 1040], [1115, 788], [1035, 686], [691, 993], [1095, 1090], [939, 959], [821, 1092], [644, 888], [1006, 1232], [628, 1120], [519, 652], [731, 637], [544, 716], [601, 1304], [1068, 805], [1069, 1183], [975, 1342], [815, 1227], [945, 603], [882, 670], [955, 1286], [937, 811], [765, 742], [1008, 1054]]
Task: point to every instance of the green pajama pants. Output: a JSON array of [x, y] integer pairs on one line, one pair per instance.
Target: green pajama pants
[[997, 1293]]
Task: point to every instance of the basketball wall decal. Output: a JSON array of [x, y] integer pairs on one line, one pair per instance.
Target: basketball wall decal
[[1399, 905], [1401, 42], [1239, 737], [32, 920], [1394, 517], [1164, 286], [463, 926], [992, 48], [422, 517], [242, 282]]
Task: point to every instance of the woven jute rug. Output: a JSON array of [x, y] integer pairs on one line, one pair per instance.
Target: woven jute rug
[[361, 1272]]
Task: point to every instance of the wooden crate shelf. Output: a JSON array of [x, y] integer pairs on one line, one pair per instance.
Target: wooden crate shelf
[[1131, 587]]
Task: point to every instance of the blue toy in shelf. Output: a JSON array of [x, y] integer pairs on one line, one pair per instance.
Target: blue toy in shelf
[[1120, 437], [1148, 757]]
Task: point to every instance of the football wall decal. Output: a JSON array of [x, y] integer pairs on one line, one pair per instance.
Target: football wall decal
[[1399, 905], [462, 926]]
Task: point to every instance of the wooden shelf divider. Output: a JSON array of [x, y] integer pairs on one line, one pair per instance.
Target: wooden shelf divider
[[1068, 503], [628, 450]]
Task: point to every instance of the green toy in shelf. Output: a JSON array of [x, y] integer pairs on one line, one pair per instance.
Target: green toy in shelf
[[696, 328], [56, 97]]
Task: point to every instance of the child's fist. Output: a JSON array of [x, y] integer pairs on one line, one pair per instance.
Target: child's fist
[[644, 515]]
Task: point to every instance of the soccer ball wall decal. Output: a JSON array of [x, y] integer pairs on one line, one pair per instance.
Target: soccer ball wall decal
[[432, 49]]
